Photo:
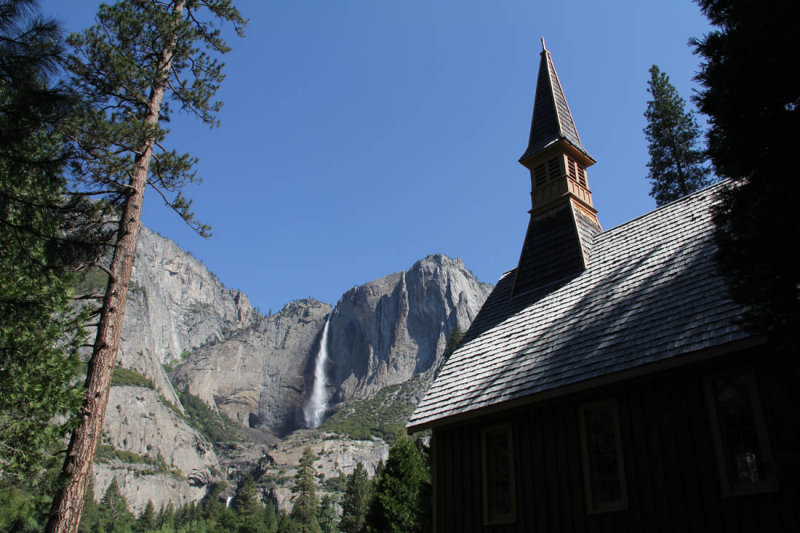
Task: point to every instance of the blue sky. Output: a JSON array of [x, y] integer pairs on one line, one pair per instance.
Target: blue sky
[[359, 136]]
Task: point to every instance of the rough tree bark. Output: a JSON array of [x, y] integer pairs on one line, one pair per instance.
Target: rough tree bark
[[68, 503]]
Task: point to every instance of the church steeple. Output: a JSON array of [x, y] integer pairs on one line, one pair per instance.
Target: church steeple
[[563, 219], [555, 155], [552, 119]]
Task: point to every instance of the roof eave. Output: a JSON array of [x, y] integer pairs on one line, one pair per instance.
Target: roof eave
[[579, 152], [607, 379]]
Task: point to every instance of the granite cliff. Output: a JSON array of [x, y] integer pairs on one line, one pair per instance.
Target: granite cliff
[[259, 370], [382, 333], [389, 330]]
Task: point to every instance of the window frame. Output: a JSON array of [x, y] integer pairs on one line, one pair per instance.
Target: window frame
[[730, 488], [620, 504], [510, 517]]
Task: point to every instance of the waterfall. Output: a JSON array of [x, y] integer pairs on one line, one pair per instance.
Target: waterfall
[[317, 403]]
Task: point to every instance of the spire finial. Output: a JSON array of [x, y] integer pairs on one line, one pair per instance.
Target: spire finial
[[544, 48]]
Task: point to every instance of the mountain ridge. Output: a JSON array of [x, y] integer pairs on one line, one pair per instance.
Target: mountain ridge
[[259, 370]]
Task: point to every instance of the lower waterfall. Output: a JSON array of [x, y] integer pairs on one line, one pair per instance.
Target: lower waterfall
[[317, 403]]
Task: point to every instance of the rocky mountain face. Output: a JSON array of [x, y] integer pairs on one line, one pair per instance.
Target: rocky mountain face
[[381, 333], [258, 376], [164, 459], [259, 370], [388, 330], [175, 304]]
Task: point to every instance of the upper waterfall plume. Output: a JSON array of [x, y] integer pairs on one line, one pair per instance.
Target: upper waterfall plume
[[317, 403]]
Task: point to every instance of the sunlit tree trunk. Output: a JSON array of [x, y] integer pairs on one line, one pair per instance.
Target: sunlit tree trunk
[[68, 503]]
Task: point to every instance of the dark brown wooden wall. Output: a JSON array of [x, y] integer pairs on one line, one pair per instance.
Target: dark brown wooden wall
[[670, 466]]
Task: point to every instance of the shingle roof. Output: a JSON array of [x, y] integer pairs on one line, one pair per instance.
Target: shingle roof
[[556, 246], [552, 119], [650, 292]]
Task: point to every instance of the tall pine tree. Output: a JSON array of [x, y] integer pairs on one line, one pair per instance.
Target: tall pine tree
[[140, 58], [401, 502], [40, 242], [355, 502], [112, 513], [676, 166], [304, 509], [751, 94]]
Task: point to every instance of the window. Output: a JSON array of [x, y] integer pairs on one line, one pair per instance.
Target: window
[[743, 454], [540, 176], [553, 169], [571, 167], [604, 472], [582, 176], [499, 500]]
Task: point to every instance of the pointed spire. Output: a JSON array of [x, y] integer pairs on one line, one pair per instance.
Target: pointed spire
[[563, 219], [552, 119]]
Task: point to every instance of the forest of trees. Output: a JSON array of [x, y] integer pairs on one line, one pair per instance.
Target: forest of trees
[[397, 499]]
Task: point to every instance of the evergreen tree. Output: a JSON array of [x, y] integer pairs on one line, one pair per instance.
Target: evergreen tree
[[355, 502], [751, 95], [453, 341], [147, 520], [287, 525], [211, 503], [137, 60], [89, 517], [326, 515], [249, 509], [676, 166], [39, 243], [270, 516], [166, 518], [402, 499], [113, 513], [304, 510]]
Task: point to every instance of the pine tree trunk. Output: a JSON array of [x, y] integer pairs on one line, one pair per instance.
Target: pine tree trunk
[[67, 506]]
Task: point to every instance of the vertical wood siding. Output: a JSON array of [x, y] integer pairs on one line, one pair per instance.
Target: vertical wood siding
[[670, 468]]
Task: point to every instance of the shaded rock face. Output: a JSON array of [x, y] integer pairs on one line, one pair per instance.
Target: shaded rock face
[[174, 305], [258, 376], [388, 330]]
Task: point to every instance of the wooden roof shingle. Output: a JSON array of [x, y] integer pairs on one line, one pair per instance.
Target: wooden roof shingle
[[650, 292]]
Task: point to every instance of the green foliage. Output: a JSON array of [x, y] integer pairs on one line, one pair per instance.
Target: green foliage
[[336, 484], [91, 281], [355, 502], [25, 500], [129, 69], [326, 515], [383, 415], [39, 245], [157, 465], [676, 166], [89, 516], [126, 376], [304, 509], [402, 498], [752, 100], [213, 426], [453, 341], [116, 64], [107, 453], [147, 521], [113, 515]]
